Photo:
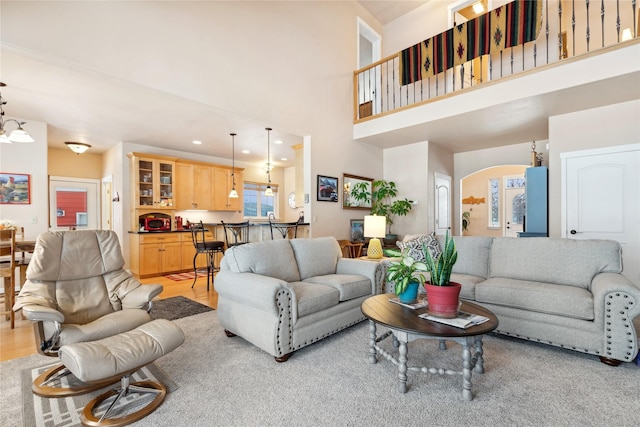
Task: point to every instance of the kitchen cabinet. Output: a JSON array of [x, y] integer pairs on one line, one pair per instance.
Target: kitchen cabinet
[[188, 251], [152, 181], [155, 254], [222, 185], [194, 186]]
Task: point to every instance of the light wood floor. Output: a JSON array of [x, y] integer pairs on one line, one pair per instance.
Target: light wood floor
[[20, 341]]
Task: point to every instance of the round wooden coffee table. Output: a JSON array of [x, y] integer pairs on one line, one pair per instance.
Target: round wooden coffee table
[[405, 326]]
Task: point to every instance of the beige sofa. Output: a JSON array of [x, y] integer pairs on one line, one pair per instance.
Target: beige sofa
[[562, 292], [282, 295]]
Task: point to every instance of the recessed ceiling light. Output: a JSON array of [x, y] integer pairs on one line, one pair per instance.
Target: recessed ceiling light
[[246, 151], [284, 159], [197, 142], [478, 8], [277, 142]]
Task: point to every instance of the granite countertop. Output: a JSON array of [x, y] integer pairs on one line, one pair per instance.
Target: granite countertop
[[206, 224]]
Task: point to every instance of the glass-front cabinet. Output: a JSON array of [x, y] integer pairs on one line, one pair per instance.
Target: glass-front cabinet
[[153, 181]]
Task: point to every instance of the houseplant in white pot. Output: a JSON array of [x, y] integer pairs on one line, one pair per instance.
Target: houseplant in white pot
[[443, 296]]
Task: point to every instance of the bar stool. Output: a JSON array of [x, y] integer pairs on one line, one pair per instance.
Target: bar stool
[[236, 233], [283, 227], [208, 247]]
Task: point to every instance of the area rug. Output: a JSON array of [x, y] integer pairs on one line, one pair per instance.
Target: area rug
[[176, 308], [56, 412], [178, 277]]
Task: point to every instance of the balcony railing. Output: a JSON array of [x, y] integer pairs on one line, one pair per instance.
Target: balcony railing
[[569, 28]]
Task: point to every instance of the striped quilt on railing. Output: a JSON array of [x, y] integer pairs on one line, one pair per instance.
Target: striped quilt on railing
[[510, 25]]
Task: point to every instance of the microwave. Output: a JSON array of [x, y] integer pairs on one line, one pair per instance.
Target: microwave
[[157, 224]]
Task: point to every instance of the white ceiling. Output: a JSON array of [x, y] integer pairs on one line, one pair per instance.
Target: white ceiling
[[387, 11]]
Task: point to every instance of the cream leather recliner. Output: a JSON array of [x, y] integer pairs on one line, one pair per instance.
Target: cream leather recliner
[[77, 292]]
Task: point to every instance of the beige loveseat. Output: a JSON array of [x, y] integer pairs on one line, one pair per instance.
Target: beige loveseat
[[563, 292], [282, 295]]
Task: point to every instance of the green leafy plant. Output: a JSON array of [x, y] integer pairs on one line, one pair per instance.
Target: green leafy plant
[[466, 218], [402, 273], [441, 267], [382, 195]]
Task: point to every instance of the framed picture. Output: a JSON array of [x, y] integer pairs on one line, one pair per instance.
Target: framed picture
[[356, 233], [15, 188], [327, 189], [360, 183]]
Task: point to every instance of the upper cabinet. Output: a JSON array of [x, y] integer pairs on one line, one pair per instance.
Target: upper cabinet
[[194, 186], [153, 179]]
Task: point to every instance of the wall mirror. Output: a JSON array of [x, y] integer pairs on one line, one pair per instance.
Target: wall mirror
[[348, 181]]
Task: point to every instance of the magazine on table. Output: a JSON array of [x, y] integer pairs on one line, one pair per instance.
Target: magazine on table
[[464, 320], [413, 306]]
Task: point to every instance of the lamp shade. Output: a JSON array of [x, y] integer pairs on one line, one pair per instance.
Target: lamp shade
[[375, 226]]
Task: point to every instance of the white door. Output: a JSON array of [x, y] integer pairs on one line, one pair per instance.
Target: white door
[[369, 51], [514, 205], [601, 200], [443, 204], [74, 204]]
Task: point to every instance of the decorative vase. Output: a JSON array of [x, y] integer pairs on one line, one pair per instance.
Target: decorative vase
[[443, 301], [410, 295]]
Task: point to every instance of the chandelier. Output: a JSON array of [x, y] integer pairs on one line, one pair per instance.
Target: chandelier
[[17, 135]]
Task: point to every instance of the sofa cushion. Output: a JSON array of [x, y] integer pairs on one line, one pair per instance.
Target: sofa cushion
[[552, 260], [468, 283], [316, 257], [313, 297], [273, 258], [413, 246], [349, 285], [567, 301], [473, 254]]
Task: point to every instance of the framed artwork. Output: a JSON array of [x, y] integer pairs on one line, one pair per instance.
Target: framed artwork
[[356, 233], [327, 189], [15, 188], [348, 184]]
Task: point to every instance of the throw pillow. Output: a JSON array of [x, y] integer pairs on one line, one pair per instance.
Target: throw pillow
[[413, 247]]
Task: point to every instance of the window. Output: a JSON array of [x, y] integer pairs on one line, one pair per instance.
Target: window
[[256, 204], [494, 206]]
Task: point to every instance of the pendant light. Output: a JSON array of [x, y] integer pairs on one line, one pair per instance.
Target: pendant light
[[268, 191], [233, 194], [17, 135]]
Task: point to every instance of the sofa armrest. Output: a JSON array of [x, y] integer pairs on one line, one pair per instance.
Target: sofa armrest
[[249, 289], [372, 270], [616, 302], [140, 296], [39, 313]]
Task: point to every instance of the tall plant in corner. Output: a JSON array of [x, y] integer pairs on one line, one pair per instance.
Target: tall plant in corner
[[382, 195]]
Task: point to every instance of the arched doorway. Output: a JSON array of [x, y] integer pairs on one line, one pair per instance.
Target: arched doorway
[[485, 196]]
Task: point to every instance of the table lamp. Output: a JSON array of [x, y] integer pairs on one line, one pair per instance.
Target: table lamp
[[374, 227]]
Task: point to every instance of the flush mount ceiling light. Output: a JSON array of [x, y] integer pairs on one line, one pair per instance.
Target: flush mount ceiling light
[[17, 135], [233, 194], [269, 190], [77, 147], [478, 8]]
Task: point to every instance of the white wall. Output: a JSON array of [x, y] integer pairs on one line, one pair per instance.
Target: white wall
[[30, 159], [407, 166], [608, 126]]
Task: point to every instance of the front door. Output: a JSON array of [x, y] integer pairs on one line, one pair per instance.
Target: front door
[[601, 200], [514, 205]]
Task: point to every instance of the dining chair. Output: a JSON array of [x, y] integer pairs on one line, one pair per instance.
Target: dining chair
[[8, 272], [25, 255], [206, 246], [283, 227], [236, 233]]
